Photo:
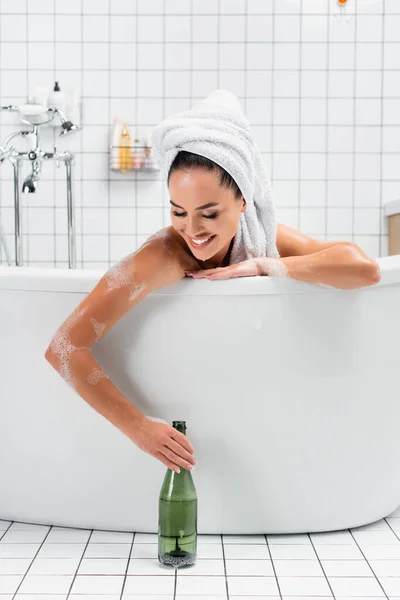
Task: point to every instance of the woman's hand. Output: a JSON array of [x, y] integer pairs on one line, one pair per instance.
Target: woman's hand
[[249, 268], [165, 443]]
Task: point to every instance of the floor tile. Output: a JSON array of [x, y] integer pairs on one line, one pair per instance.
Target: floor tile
[[209, 539], [290, 551], [385, 568], [54, 566], [246, 551], [61, 550], [146, 538], [355, 586], [93, 597], [9, 583], [382, 552], [103, 566], [332, 537], [237, 586], [375, 537], [211, 550], [304, 586], [341, 552], [244, 539], [200, 585], [150, 584], [63, 535], [346, 568], [245, 567], [299, 538], [46, 584], [144, 551], [293, 568], [108, 550], [394, 523], [14, 566], [149, 566], [43, 597], [23, 537], [97, 584], [107, 537], [391, 585], [18, 550], [205, 567]]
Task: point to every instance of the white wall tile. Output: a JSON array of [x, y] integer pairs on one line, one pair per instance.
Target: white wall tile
[[205, 28], [123, 28], [177, 56], [177, 29], [68, 28], [205, 56], [232, 56], [41, 28], [149, 56], [13, 28], [95, 28], [259, 28], [259, 56], [232, 29], [96, 56], [122, 84]]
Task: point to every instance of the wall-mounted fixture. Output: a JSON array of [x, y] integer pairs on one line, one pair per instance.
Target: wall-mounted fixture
[[35, 115]]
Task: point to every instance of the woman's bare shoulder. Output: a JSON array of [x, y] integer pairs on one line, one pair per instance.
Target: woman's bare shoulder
[[171, 245]]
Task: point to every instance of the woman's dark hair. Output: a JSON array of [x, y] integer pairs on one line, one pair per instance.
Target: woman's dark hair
[[188, 160]]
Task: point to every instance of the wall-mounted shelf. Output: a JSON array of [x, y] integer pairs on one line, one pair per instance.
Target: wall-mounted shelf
[[125, 161]]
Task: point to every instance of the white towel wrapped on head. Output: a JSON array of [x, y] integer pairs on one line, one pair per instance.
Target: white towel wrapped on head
[[217, 129]]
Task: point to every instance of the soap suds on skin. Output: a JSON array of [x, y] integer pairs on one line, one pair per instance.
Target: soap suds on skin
[[94, 377], [62, 347], [119, 276], [98, 328]]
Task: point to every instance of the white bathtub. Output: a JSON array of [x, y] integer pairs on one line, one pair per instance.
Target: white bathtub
[[290, 392]]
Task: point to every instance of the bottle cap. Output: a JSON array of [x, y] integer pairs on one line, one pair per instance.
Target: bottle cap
[[180, 426], [56, 87]]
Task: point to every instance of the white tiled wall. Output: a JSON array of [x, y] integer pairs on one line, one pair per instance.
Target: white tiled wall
[[321, 92]]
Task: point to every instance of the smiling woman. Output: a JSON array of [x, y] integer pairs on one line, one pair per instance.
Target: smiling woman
[[223, 226]]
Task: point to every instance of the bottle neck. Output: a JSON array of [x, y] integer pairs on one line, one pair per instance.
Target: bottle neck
[[180, 426]]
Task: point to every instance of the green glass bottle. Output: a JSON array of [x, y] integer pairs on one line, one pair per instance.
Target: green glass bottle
[[177, 516]]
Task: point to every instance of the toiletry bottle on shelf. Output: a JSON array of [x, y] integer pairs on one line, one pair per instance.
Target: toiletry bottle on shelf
[[138, 157], [115, 141], [56, 100], [148, 162], [177, 516], [125, 150]]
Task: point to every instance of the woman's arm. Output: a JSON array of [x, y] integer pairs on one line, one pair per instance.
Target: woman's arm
[[158, 263], [341, 265]]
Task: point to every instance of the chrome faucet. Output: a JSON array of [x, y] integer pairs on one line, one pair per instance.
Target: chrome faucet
[[35, 115]]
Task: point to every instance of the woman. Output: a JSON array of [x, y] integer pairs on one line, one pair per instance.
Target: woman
[[207, 212]]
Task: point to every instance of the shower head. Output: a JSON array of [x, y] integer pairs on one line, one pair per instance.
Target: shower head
[[68, 127], [29, 185]]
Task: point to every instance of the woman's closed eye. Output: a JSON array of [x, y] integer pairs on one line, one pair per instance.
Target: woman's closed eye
[[213, 216]]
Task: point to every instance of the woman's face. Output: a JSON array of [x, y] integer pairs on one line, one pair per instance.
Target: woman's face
[[205, 214]]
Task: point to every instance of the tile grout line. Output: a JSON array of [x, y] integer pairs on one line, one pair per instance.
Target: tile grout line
[[365, 558], [33, 560], [79, 564], [273, 566], [320, 564], [127, 566], [224, 560]]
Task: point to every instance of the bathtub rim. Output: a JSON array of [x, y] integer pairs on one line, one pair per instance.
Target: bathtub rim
[[39, 279]]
